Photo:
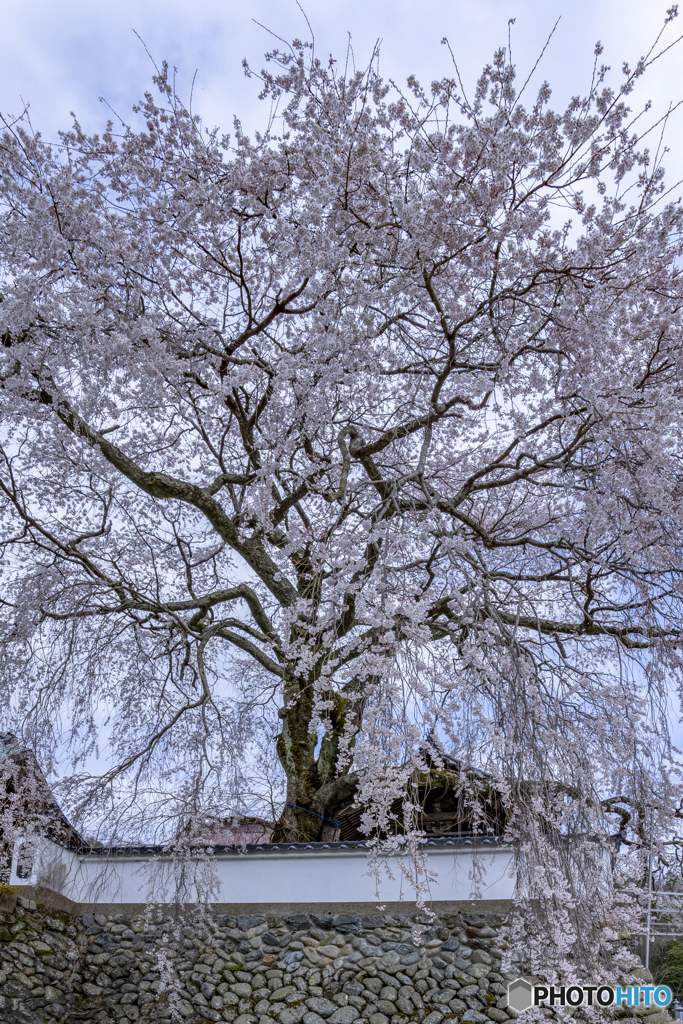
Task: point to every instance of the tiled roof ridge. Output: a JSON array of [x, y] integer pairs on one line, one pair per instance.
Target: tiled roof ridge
[[144, 849]]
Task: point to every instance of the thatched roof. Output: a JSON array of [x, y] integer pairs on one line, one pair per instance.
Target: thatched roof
[[26, 798]]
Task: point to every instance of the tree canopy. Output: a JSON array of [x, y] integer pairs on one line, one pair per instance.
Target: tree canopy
[[319, 441]]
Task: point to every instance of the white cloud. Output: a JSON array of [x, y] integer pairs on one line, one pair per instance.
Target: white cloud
[[63, 56]]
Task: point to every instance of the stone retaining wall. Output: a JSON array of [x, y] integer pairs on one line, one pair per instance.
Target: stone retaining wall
[[249, 969]]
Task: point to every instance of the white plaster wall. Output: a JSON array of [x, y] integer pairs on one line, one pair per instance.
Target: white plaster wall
[[331, 876], [52, 866]]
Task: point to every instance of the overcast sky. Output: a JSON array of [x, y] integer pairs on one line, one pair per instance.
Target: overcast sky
[[63, 55]]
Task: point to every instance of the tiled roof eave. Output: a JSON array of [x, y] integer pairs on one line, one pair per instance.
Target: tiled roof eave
[[143, 850]]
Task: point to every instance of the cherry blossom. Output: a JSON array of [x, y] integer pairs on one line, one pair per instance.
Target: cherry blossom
[[320, 442]]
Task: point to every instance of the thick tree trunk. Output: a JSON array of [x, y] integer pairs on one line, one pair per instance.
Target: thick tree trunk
[[308, 810], [314, 790]]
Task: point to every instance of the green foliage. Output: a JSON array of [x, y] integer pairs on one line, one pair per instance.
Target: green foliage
[[671, 970]]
